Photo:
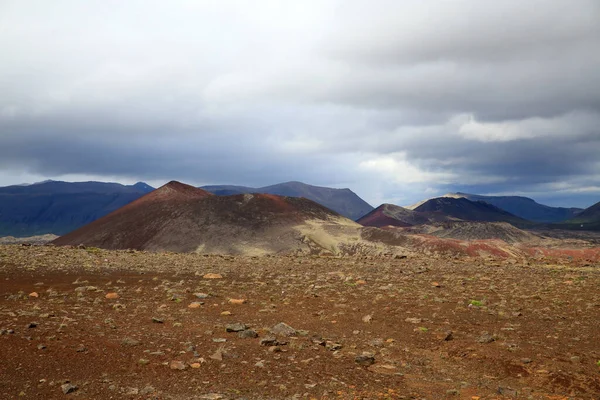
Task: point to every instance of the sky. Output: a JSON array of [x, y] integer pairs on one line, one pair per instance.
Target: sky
[[396, 100]]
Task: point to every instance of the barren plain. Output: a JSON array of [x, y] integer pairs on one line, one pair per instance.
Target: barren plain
[[86, 323]]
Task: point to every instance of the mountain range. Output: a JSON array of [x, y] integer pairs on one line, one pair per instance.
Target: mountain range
[[519, 206], [60, 207], [342, 201], [438, 210], [54, 207]]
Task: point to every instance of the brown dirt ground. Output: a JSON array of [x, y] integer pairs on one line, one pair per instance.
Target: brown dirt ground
[[541, 314]]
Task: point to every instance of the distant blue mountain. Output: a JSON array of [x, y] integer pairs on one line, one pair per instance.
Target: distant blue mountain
[[61, 207], [342, 201]]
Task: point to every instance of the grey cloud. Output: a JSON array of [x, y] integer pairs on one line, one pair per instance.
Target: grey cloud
[[228, 92]]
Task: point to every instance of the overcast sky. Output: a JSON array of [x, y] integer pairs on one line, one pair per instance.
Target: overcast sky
[[397, 100]]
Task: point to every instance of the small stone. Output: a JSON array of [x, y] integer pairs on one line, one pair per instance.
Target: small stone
[[526, 360], [413, 320], [195, 304], [238, 301], [448, 336], [202, 295], [219, 340], [178, 365], [143, 361], [269, 341], [226, 313], [237, 327], [112, 295], [274, 349], [147, 390], [217, 355], [212, 276], [157, 320], [367, 318], [132, 391], [68, 388], [283, 329], [452, 392], [130, 342], [506, 391], [195, 365], [333, 346], [32, 325], [248, 334], [41, 346], [436, 284], [486, 338], [34, 294], [365, 360]]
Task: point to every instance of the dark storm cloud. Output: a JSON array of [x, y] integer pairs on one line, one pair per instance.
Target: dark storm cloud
[[398, 100]]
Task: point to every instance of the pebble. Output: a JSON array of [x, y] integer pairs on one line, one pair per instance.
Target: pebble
[[212, 276], [68, 388], [365, 360], [157, 320], [486, 338], [178, 365], [283, 329], [269, 341], [506, 391], [237, 327], [248, 334], [112, 295], [130, 342], [147, 390]]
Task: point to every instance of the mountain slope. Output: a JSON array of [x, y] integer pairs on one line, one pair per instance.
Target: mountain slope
[[522, 207], [468, 210], [342, 201], [178, 217], [53, 207], [393, 215], [587, 219]]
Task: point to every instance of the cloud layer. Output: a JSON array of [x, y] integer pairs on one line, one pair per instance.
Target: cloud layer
[[397, 100]]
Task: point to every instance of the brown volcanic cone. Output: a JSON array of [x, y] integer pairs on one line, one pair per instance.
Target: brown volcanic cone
[[178, 217], [136, 225]]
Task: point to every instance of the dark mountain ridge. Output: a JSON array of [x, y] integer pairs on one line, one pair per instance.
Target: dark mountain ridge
[[59, 207], [343, 201], [467, 210], [523, 207]]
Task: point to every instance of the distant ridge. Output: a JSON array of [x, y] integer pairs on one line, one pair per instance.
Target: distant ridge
[[588, 219], [520, 206], [56, 207], [467, 210], [393, 215], [342, 201]]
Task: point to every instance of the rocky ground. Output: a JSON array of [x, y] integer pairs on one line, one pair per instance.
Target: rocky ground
[[95, 324]]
